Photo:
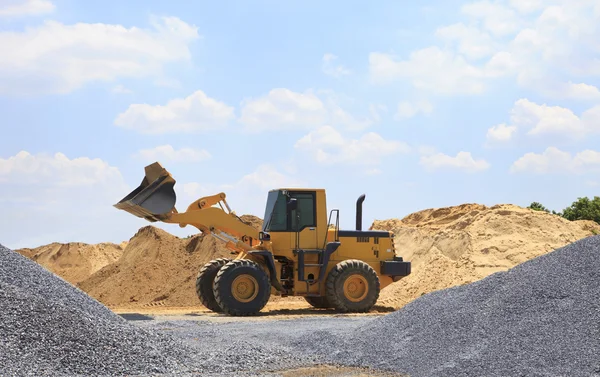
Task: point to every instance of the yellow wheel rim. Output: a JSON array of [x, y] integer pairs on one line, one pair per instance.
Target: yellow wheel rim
[[244, 288], [356, 288]]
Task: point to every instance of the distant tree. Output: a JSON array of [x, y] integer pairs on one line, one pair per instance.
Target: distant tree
[[583, 209], [538, 207]]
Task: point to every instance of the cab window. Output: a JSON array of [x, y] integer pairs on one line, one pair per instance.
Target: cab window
[[305, 210]]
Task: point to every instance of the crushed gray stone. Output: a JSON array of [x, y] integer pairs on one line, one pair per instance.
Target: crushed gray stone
[[48, 327], [541, 318], [241, 348]]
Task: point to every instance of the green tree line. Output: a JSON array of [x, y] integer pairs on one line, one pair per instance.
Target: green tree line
[[581, 209]]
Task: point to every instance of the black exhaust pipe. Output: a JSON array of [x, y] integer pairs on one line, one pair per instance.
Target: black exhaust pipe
[[359, 203]]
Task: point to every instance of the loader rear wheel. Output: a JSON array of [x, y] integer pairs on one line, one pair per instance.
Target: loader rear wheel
[[204, 283], [352, 286], [242, 288], [318, 302]]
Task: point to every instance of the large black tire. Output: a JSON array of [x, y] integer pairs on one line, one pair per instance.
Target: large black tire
[[352, 286], [318, 302], [242, 288], [204, 283]]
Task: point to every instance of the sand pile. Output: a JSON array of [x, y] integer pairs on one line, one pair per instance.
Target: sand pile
[[462, 244], [157, 269], [252, 220], [74, 261]]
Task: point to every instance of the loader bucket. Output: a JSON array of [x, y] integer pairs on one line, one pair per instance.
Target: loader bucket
[[154, 197]]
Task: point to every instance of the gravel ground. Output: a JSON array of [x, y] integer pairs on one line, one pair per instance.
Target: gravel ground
[[241, 348], [542, 318], [50, 328]]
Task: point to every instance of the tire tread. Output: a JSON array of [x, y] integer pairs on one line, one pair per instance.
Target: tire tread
[[335, 297], [204, 290], [263, 283]]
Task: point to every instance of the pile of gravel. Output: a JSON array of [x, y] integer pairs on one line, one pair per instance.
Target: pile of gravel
[[541, 318], [48, 327], [242, 348]]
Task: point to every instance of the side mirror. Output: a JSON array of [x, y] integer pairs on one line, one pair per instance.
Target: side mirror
[[292, 204]]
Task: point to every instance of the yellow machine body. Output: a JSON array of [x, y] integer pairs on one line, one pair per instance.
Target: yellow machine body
[[371, 247], [298, 247]]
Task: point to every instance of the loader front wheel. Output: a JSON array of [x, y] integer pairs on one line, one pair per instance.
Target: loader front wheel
[[204, 283], [242, 288], [318, 302], [352, 286]]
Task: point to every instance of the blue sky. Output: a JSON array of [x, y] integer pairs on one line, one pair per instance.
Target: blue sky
[[417, 106]]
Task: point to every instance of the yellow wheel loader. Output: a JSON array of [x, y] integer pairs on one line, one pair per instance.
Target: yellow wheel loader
[[300, 250]]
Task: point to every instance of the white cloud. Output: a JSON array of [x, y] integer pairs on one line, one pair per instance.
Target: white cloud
[[373, 171], [57, 170], [258, 182], [410, 109], [500, 133], [553, 160], [462, 161], [426, 150], [168, 153], [555, 48], [549, 47], [17, 8], [495, 17], [197, 112], [431, 69], [191, 191], [338, 117], [470, 41], [501, 64], [331, 69], [526, 6], [375, 111], [327, 146], [283, 109], [71, 197], [546, 120], [58, 58], [579, 91], [246, 195], [120, 89], [267, 177]]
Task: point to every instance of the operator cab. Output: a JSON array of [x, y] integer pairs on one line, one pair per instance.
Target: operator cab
[[290, 210]]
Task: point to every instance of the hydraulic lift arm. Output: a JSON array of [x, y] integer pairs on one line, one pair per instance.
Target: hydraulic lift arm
[[154, 200]]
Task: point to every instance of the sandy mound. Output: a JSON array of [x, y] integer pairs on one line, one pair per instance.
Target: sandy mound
[[252, 220], [589, 225], [157, 269], [74, 261], [462, 244]]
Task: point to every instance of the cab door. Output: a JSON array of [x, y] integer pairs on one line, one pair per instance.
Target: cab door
[[304, 219]]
